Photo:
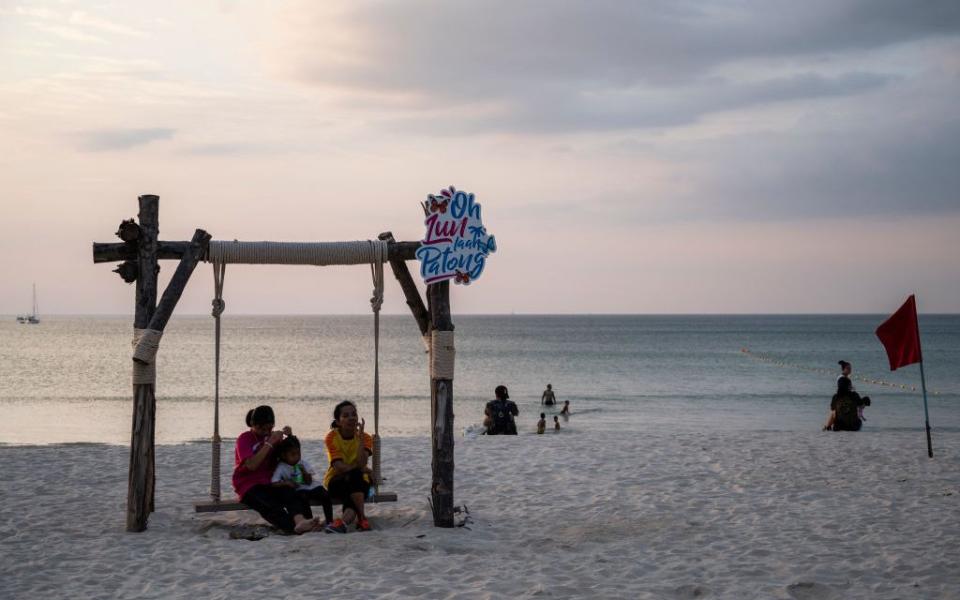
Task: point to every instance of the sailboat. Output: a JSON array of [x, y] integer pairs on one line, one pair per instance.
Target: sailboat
[[32, 318]]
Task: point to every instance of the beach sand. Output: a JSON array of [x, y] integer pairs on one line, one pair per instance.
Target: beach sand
[[657, 514]]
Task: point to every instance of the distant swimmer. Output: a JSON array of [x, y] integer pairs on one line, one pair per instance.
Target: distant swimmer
[[565, 411], [556, 423], [542, 424], [548, 399]]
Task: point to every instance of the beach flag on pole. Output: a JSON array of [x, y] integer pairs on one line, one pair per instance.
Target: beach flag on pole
[[900, 336]]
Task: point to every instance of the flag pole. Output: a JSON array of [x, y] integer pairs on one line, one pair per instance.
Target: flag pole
[[926, 413], [923, 386]]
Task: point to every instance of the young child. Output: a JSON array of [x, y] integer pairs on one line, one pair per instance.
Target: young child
[[565, 411], [556, 423], [293, 471], [542, 424]]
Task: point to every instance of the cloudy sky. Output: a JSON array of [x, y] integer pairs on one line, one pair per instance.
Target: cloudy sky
[[631, 157]]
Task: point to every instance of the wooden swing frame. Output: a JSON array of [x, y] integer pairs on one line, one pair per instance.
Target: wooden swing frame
[[139, 254]]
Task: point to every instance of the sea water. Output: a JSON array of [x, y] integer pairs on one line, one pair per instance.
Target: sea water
[[68, 379]]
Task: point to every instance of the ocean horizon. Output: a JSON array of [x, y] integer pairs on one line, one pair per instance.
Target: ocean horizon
[[620, 372]]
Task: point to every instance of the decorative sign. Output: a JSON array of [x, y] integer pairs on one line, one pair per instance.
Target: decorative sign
[[456, 245]]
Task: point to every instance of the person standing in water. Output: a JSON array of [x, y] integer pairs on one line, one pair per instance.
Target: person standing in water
[[845, 370], [548, 398]]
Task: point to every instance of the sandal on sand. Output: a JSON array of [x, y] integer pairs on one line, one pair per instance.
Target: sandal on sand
[[336, 526]]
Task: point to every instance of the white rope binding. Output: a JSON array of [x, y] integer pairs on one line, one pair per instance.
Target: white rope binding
[[442, 354], [298, 253], [146, 346], [145, 373]]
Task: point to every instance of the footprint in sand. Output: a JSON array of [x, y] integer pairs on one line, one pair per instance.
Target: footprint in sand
[[691, 591], [809, 590]]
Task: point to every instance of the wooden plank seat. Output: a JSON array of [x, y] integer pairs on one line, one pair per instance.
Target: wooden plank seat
[[206, 506]]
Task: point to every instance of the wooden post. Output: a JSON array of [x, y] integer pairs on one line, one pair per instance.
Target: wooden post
[[410, 292], [193, 254], [141, 476], [441, 400]]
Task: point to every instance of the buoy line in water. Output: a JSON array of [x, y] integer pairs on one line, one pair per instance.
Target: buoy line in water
[[779, 363]]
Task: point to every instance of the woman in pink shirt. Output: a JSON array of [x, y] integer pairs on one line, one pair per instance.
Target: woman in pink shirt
[[254, 464]]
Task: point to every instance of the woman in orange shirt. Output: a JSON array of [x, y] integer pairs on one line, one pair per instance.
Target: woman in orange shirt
[[348, 476]]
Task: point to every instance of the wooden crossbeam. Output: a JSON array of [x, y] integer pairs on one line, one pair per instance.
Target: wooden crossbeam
[[115, 251]]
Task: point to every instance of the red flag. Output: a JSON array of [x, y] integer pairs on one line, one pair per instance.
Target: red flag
[[900, 335]]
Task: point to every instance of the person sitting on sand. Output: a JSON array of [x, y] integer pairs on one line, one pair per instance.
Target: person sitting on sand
[[565, 411], [548, 398], [845, 370], [542, 424], [348, 476], [500, 413], [254, 463], [556, 423], [295, 473], [845, 408]]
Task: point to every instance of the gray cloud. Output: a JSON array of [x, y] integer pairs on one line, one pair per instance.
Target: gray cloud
[[876, 131], [551, 66], [888, 171], [233, 149], [102, 140], [644, 108]]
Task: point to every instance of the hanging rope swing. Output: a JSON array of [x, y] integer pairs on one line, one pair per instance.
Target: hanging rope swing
[[373, 252]]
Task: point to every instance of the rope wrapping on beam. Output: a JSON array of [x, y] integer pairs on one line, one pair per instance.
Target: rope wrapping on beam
[[442, 353], [297, 253], [144, 374], [146, 345]]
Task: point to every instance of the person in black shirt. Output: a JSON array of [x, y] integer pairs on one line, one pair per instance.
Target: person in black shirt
[[500, 413], [845, 408]]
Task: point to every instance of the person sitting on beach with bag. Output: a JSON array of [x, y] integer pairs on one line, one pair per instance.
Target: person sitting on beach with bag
[[500, 413], [845, 408], [295, 473], [255, 459], [348, 476]]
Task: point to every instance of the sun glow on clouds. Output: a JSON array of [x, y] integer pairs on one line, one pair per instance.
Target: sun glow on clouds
[[654, 157]]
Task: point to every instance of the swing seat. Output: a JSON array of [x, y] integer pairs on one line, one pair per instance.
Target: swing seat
[[211, 506]]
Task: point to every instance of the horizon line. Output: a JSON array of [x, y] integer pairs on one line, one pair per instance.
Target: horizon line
[[517, 314]]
